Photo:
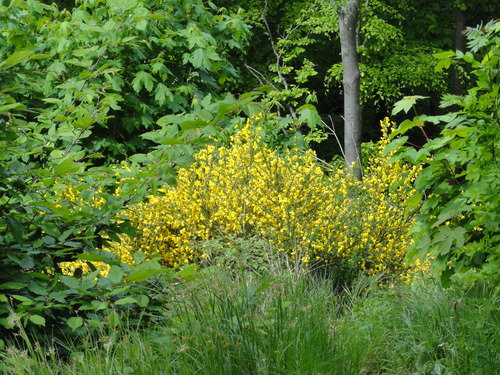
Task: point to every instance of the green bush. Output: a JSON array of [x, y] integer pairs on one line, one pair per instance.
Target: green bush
[[459, 219]]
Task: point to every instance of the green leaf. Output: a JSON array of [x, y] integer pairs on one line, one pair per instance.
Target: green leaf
[[413, 201], [90, 280], [406, 104], [24, 300], [95, 323], [443, 55], [91, 257], [442, 64], [202, 58], [67, 166], [188, 272], [70, 281], [139, 257], [144, 274], [162, 94], [143, 79], [115, 274], [309, 114], [13, 106], [12, 285], [126, 300], [172, 141], [114, 319], [395, 144], [75, 322], [142, 300], [36, 288], [16, 228], [52, 229], [17, 57], [38, 320]]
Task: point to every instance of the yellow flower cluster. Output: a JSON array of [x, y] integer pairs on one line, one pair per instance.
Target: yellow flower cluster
[[248, 189], [71, 195], [378, 224]]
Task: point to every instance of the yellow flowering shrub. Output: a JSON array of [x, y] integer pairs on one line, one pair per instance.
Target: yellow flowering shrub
[[376, 229], [71, 196], [250, 190]]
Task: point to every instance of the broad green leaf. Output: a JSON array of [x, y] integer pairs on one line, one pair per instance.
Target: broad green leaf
[[139, 257], [17, 57], [38, 320], [75, 322], [36, 288], [114, 319], [142, 300], [309, 114], [51, 229], [143, 79], [95, 323], [442, 64], [413, 201], [12, 285], [406, 104], [443, 55], [192, 124], [70, 281], [396, 144], [40, 56], [16, 228], [137, 82], [143, 274], [13, 106], [90, 280], [52, 100], [141, 25], [67, 166], [126, 300], [202, 58], [24, 300], [115, 274], [188, 272], [162, 94]]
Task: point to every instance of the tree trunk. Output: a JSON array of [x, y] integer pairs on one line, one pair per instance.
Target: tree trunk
[[348, 24]]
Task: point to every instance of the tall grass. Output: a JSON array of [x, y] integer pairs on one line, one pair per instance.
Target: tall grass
[[286, 323]]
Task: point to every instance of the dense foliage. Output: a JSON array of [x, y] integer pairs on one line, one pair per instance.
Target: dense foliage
[[78, 88], [106, 71], [459, 219]]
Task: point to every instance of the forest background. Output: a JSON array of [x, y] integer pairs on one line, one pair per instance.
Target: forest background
[[104, 105]]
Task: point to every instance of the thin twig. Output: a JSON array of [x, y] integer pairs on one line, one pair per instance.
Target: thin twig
[[278, 59], [334, 133]]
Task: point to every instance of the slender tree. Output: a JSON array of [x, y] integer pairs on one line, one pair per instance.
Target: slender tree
[[460, 25], [348, 26]]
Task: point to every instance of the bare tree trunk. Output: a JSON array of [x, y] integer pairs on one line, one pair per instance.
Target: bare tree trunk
[[348, 22]]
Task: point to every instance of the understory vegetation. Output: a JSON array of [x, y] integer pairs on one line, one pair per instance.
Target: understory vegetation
[[279, 322], [155, 219]]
